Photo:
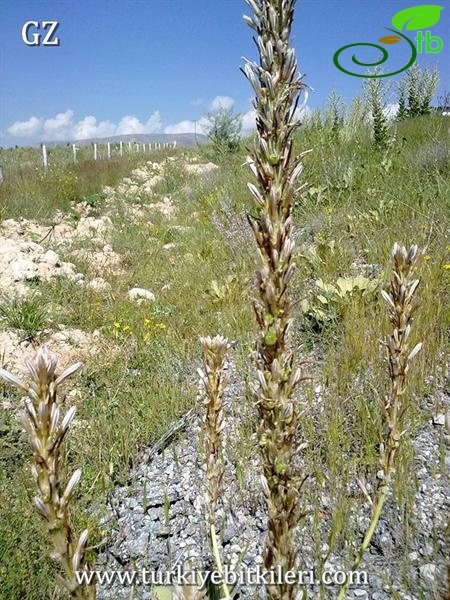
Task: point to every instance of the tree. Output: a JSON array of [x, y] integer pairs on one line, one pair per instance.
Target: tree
[[224, 130]]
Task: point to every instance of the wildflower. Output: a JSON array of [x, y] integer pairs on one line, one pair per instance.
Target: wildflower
[[426, 257], [446, 266]]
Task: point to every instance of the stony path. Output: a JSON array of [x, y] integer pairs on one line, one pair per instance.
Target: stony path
[[157, 520]]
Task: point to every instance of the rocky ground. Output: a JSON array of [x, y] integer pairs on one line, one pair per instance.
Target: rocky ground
[[31, 253], [157, 521]]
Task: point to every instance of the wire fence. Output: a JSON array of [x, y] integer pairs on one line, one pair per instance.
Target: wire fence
[[46, 156]]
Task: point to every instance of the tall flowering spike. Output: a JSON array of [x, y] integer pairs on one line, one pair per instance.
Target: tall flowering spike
[[401, 306], [46, 427], [213, 382], [277, 86]]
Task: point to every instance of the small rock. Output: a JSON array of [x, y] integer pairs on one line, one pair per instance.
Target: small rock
[[163, 532], [98, 284], [439, 419], [360, 593], [229, 534], [23, 269], [51, 258], [141, 295], [428, 572]]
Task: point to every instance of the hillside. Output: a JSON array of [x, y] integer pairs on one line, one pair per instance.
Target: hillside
[[123, 264], [182, 139]]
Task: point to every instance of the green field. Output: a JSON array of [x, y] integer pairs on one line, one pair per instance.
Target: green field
[[199, 263]]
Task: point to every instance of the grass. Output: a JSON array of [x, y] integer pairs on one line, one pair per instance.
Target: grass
[[31, 192], [27, 315], [363, 201]]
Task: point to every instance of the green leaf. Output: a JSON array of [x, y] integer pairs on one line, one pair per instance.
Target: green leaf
[[305, 306], [417, 17], [163, 593], [345, 284]]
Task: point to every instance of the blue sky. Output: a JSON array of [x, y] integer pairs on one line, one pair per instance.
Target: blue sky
[[127, 66]]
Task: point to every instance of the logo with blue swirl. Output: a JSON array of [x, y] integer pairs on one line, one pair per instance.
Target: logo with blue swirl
[[412, 19]]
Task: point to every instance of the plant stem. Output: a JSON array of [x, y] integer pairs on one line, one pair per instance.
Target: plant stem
[[216, 553], [368, 537]]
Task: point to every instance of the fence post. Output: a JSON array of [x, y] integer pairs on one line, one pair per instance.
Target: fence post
[[2, 178], [44, 156], [74, 150], [109, 149], [175, 144], [121, 148], [129, 146]]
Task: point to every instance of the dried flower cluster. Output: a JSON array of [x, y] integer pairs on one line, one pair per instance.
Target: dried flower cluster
[[402, 306], [46, 428], [213, 381], [277, 86]]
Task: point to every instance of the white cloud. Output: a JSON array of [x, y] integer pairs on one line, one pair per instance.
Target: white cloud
[[88, 127], [25, 128], [200, 126], [390, 110], [62, 127], [221, 103], [249, 120], [131, 124], [60, 120], [302, 113]]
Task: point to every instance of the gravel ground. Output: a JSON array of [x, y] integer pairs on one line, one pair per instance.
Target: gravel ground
[[157, 521]]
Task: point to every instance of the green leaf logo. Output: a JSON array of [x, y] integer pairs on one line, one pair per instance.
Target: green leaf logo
[[417, 17]]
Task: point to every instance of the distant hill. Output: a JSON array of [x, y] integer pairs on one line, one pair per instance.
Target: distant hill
[[182, 139]]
